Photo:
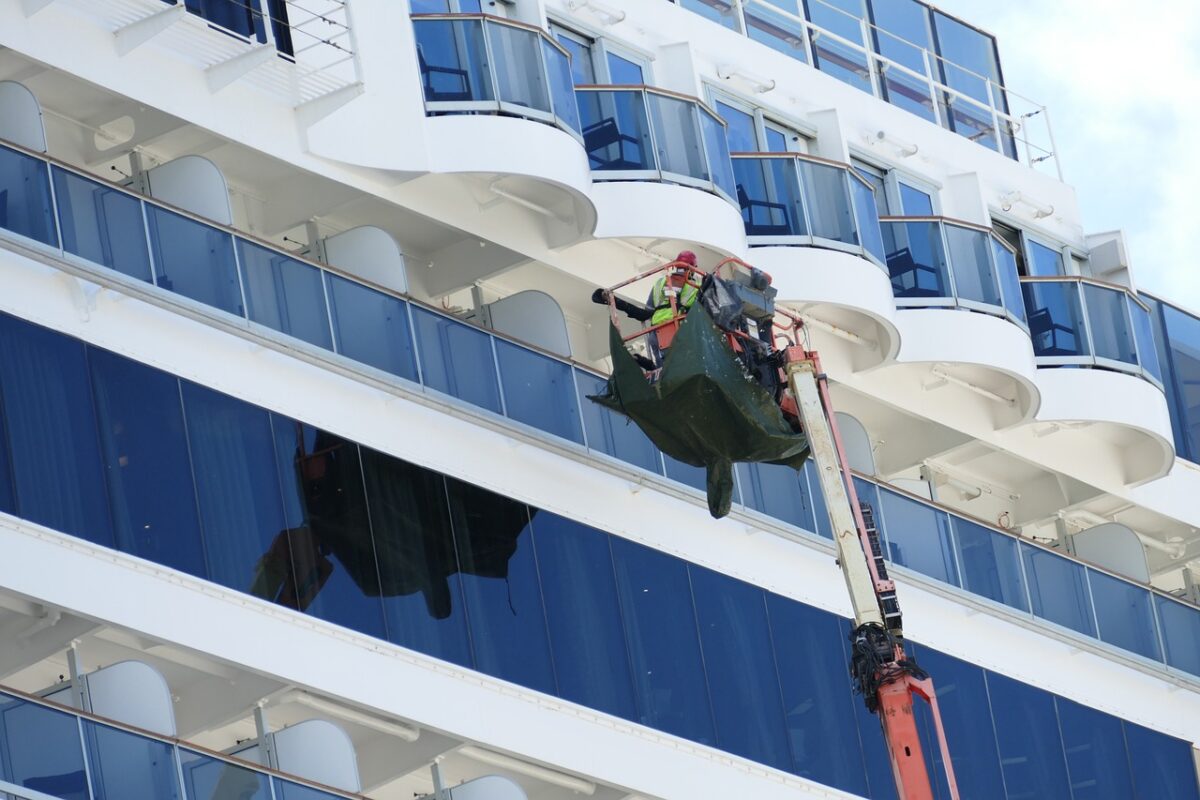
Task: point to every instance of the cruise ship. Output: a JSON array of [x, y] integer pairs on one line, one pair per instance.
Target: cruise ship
[[303, 495]]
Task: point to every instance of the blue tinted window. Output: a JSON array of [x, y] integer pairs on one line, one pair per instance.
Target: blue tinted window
[[1058, 589], [246, 536], [660, 631], [586, 638], [1112, 331], [1031, 752], [970, 254], [740, 128], [880, 781], [583, 69], [1055, 312], [1182, 352], [457, 359], [830, 212], [212, 778], [124, 766], [371, 327], [918, 537], [1010, 281], [866, 218], [612, 433], [1181, 634], [539, 391], [768, 192], [8, 500], [1044, 261], [499, 577], [736, 642], [1163, 766], [418, 568], [51, 423], [285, 294], [817, 700], [145, 449], [696, 477], [990, 563], [623, 72], [842, 17], [333, 556], [721, 12], [914, 202], [963, 701], [41, 749], [453, 61], [1095, 746], [916, 259], [102, 224], [616, 130], [775, 30], [1124, 614], [562, 85], [25, 206], [194, 260]]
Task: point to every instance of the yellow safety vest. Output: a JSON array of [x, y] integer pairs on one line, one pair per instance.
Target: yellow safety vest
[[661, 303]]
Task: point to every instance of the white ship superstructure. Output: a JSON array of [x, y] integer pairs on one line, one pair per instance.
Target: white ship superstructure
[[302, 495]]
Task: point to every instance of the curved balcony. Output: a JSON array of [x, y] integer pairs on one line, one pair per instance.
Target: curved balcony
[[941, 263]]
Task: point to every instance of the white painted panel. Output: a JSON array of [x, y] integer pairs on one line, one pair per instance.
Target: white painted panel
[[857, 443], [489, 787], [370, 253], [193, 183], [534, 317], [319, 751], [1113, 546], [21, 117], [134, 693]]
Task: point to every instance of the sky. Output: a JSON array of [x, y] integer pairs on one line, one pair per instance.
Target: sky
[[1122, 83]]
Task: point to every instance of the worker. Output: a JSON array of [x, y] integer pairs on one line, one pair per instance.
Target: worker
[[674, 279]]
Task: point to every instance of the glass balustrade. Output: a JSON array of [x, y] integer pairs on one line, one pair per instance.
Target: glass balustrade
[[473, 63], [936, 262], [639, 133], [790, 199], [402, 338], [1081, 322]]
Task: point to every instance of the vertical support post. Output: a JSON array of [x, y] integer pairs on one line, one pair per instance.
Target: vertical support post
[[266, 745], [439, 788], [79, 695]]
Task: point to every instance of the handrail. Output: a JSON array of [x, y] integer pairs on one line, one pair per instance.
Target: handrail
[[174, 741], [505, 21], [641, 87], [1103, 284], [962, 223]]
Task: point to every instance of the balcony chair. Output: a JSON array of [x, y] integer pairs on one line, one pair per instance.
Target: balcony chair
[[601, 137], [1043, 328], [435, 95], [907, 274], [772, 211]]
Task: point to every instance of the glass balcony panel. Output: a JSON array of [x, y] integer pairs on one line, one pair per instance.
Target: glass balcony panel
[[1112, 337], [25, 205], [539, 391], [1059, 590], [456, 359], [583, 614], [371, 327], [1181, 634], [916, 259], [562, 86], [970, 258], [102, 224], [735, 639], [777, 491], [866, 214], [716, 149], [721, 12], [453, 60], [208, 777], [830, 212], [616, 131], [847, 64], [125, 766], [918, 536], [285, 294], [966, 118], [1125, 615], [418, 567], [1055, 313], [909, 92], [1010, 280], [677, 137], [1143, 334], [777, 31], [695, 477], [611, 433], [41, 749], [991, 564], [768, 191], [195, 260], [517, 63]]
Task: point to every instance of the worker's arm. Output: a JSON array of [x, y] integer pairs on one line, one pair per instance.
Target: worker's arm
[[631, 310]]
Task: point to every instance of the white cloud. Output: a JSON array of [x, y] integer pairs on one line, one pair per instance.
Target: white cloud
[[1122, 81]]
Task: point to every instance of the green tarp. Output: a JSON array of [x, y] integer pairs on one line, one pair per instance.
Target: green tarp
[[703, 410]]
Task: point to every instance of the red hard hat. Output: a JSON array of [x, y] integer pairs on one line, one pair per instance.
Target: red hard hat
[[687, 257]]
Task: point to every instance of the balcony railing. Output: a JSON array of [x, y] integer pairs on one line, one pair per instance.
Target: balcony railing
[[50, 206], [1084, 322], [936, 262], [640, 133], [66, 753], [475, 63], [793, 199]]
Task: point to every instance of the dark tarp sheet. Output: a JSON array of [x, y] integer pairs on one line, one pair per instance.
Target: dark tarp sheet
[[703, 410]]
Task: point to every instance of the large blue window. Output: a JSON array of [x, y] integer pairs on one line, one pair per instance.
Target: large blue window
[[1058, 589], [660, 631], [1095, 748], [371, 327], [1162, 766], [102, 224], [146, 462], [778, 491], [1031, 750], [25, 206], [285, 294], [195, 260], [457, 359], [1180, 344]]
